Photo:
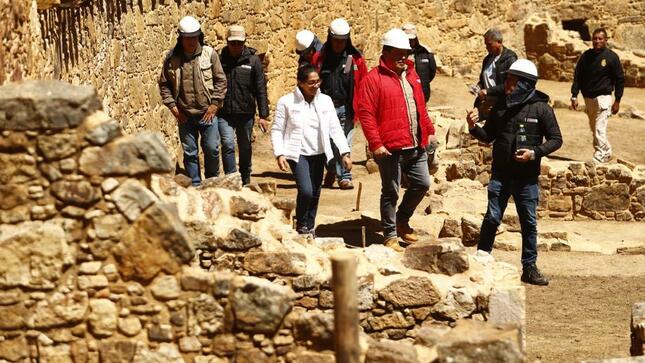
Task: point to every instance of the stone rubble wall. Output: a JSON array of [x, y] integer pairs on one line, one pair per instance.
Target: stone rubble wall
[[117, 46], [568, 190], [105, 257]]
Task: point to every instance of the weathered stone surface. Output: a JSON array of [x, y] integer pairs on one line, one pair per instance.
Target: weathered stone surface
[[143, 153], [14, 349], [451, 228], [205, 309], [55, 354], [239, 240], [117, 350], [80, 193], [317, 328], [109, 226], [387, 351], [167, 353], [156, 242], [92, 282], [314, 357], [103, 317], [606, 198], [252, 355], [282, 263], [17, 168], [619, 172], [457, 304], [244, 208], [160, 333], [470, 227], [59, 310], [476, 341], [196, 279], [33, 254], [165, 288], [14, 142], [12, 316], [129, 326], [231, 181], [58, 146], [395, 320], [446, 256], [189, 345], [560, 203], [461, 170], [47, 105], [99, 128], [13, 195], [410, 292], [224, 344], [132, 198], [259, 305]]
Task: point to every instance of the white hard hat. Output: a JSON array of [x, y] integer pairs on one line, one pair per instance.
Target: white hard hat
[[524, 68], [304, 38], [396, 38], [189, 27], [339, 28], [410, 29]]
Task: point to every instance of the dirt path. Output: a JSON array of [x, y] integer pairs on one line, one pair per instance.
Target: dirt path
[[585, 312]]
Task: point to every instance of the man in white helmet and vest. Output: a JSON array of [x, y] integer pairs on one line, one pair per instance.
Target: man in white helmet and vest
[[342, 68], [193, 85], [308, 46], [397, 127], [523, 129]]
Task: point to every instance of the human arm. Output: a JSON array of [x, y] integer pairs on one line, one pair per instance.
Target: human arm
[[619, 83]]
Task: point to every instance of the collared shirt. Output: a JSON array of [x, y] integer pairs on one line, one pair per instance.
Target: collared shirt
[[408, 93], [311, 141], [489, 73]]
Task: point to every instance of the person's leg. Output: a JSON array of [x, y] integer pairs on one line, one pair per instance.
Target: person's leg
[[592, 109], [526, 195], [390, 172], [301, 172], [348, 130], [602, 118], [244, 133], [316, 170], [210, 146], [498, 193], [189, 135], [227, 134], [415, 167]]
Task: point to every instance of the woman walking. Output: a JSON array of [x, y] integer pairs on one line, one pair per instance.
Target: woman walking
[[304, 121]]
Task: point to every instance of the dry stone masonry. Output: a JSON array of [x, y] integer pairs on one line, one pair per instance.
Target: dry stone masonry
[[105, 257]]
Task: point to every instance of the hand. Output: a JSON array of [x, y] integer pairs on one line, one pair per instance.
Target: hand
[[210, 114], [282, 163], [347, 162], [615, 107], [264, 125], [482, 94], [471, 118], [523, 155], [432, 140], [381, 152], [574, 104], [181, 118]]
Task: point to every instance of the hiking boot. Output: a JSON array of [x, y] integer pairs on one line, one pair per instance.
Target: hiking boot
[[345, 184], [531, 275], [406, 233], [329, 180], [393, 243]]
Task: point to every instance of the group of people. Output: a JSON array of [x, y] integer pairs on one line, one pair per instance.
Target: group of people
[[215, 97]]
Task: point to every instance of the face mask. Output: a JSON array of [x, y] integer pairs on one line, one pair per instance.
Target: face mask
[[523, 92]]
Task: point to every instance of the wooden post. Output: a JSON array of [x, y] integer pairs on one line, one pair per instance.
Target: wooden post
[[358, 196], [345, 308], [363, 236]]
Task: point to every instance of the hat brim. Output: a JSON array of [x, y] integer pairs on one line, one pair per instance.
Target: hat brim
[[238, 38], [191, 34], [411, 36], [346, 36], [521, 74]]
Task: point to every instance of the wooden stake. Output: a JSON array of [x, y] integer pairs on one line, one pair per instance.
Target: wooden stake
[[345, 308], [358, 196], [363, 236]]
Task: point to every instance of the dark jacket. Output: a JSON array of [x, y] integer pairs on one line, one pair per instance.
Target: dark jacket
[[506, 58], [597, 74], [311, 53], [246, 84], [426, 68], [501, 129]]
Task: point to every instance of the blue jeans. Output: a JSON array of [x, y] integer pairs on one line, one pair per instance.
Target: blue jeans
[[189, 135], [414, 164], [230, 128], [336, 163], [526, 193], [308, 172]]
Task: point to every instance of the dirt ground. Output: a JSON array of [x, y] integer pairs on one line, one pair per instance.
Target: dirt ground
[[585, 312]]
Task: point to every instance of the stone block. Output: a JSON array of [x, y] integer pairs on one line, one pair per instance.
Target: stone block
[[102, 318], [386, 351], [258, 305], [411, 292], [132, 198], [476, 341], [231, 181], [605, 198], [470, 227], [446, 256], [315, 327], [239, 240], [451, 228], [281, 263], [244, 208], [165, 288], [79, 193]]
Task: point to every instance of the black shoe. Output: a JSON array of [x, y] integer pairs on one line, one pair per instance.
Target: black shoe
[[531, 275]]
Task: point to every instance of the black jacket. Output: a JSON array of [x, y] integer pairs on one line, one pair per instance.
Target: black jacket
[[506, 58], [597, 73], [246, 84], [426, 67], [501, 129]]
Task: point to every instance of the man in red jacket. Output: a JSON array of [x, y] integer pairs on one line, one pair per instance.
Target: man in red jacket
[[397, 127]]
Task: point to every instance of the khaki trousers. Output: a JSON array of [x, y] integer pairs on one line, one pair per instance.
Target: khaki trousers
[[598, 112]]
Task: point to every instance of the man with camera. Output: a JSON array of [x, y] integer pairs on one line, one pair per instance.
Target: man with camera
[[523, 128]]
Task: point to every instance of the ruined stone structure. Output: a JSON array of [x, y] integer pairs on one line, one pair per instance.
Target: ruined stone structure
[[105, 257], [117, 46]]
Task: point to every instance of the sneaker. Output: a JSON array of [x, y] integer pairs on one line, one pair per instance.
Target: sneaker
[[531, 275], [483, 257], [345, 184], [329, 180], [393, 243], [406, 233]]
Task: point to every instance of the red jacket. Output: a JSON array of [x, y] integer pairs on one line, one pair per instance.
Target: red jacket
[[359, 67], [383, 110]]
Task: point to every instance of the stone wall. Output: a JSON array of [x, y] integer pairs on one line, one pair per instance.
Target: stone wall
[[117, 46], [106, 257]]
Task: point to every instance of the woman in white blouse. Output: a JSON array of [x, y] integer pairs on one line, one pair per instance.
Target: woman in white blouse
[[304, 121]]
